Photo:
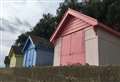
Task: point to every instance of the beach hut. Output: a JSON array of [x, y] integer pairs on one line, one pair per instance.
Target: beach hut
[[16, 57], [37, 52], [81, 39]]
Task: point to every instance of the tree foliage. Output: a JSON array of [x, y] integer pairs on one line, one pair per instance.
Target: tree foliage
[[113, 14], [45, 27], [21, 40], [63, 7], [7, 61], [106, 11]]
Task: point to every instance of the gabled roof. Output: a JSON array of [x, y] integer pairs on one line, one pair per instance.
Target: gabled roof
[[38, 41], [83, 17], [41, 41], [16, 50]]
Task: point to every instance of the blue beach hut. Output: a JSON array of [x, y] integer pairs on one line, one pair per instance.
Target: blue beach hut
[[37, 52]]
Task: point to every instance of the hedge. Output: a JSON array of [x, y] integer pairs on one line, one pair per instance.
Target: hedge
[[62, 74]]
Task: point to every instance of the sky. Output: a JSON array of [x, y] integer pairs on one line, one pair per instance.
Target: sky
[[19, 16]]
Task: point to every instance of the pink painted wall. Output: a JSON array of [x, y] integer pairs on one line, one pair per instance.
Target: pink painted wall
[[73, 42], [77, 40], [72, 51]]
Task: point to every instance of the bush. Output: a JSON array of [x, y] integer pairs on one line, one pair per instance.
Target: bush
[[77, 73]]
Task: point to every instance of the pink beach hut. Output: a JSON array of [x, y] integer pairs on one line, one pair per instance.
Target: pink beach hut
[[80, 39]]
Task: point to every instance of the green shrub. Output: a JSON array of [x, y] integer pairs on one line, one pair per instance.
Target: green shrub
[[77, 73]]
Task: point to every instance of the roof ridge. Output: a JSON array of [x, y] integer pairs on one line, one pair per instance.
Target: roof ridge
[[76, 13], [90, 20]]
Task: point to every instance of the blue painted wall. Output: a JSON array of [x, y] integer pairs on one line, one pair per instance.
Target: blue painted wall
[[44, 56], [29, 54], [35, 55]]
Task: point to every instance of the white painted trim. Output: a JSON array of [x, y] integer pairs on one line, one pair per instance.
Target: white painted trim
[[29, 38], [25, 44], [91, 47]]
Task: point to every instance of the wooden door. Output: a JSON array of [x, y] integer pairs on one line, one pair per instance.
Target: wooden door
[[65, 50], [77, 48], [72, 50]]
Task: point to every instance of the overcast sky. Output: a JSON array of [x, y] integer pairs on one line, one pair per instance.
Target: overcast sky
[[18, 16]]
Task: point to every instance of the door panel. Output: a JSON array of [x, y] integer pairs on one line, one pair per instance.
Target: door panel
[[71, 59], [66, 45], [77, 47], [76, 43], [72, 51], [66, 60], [65, 50]]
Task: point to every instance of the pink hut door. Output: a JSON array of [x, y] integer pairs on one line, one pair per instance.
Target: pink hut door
[[65, 50], [73, 50]]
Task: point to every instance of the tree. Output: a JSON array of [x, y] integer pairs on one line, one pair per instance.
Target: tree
[[106, 11], [21, 40], [63, 7], [113, 15], [7, 61], [45, 26]]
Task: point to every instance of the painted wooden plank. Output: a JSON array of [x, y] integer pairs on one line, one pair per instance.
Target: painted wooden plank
[[77, 47], [66, 45], [74, 24], [57, 52], [65, 50], [73, 49]]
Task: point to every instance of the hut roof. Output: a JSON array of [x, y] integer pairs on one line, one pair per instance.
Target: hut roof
[[92, 21]]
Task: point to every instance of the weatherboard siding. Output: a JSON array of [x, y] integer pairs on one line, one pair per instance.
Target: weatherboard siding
[[19, 60], [44, 57], [109, 48], [73, 24], [37, 53], [100, 47], [30, 55], [72, 42], [13, 61]]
